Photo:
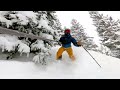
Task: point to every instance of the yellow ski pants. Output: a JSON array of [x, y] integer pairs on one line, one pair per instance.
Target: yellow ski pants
[[68, 50]]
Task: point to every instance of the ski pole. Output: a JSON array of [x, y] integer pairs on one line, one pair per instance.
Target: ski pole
[[92, 57]]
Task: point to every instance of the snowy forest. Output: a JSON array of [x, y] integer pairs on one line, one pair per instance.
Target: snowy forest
[[108, 31], [39, 23], [46, 24]]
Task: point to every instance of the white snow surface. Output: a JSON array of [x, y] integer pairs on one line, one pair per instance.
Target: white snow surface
[[83, 68]]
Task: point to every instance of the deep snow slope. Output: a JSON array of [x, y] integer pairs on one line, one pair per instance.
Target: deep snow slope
[[84, 67]]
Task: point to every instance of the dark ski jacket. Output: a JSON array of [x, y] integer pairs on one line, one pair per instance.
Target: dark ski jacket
[[66, 41]]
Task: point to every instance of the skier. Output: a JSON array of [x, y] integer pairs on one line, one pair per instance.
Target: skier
[[66, 41]]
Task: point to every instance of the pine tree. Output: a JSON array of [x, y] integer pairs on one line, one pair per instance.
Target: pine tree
[[39, 23], [107, 28], [78, 32]]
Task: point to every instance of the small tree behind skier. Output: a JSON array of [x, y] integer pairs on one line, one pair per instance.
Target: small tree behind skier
[[66, 41]]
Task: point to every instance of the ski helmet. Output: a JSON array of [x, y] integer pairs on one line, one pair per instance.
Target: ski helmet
[[67, 31]]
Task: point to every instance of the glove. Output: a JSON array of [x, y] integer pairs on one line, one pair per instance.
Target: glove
[[79, 43]]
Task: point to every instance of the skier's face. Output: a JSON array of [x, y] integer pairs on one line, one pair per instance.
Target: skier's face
[[67, 33]]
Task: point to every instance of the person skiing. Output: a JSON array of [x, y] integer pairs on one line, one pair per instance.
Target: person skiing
[[66, 41]]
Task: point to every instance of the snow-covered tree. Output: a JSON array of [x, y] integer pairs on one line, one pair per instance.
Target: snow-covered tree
[[107, 28], [40, 23], [78, 32]]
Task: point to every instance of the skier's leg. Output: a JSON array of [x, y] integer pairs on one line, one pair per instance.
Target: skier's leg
[[59, 53], [70, 53]]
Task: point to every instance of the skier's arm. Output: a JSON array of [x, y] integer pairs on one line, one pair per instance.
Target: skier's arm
[[75, 42], [60, 41]]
